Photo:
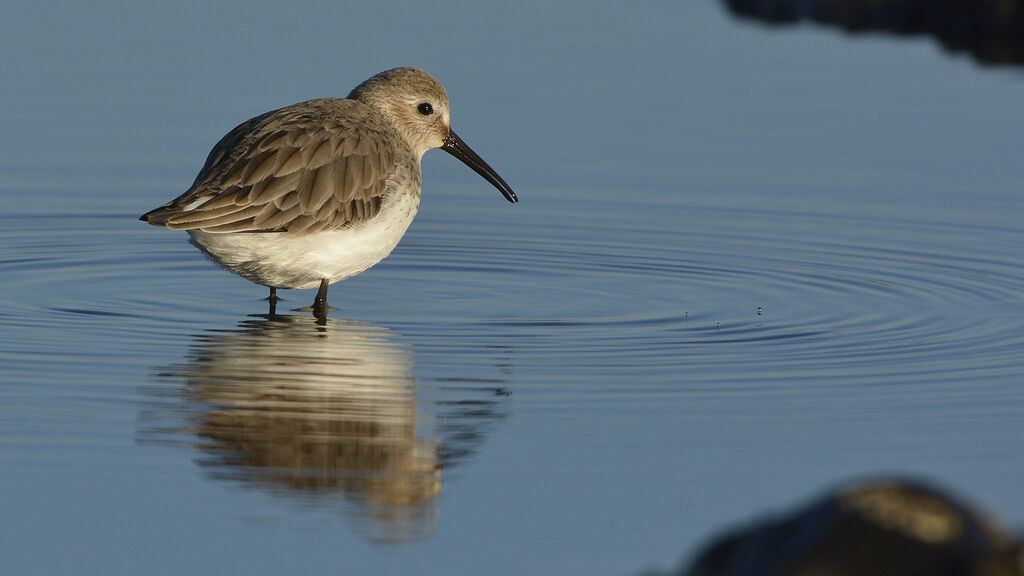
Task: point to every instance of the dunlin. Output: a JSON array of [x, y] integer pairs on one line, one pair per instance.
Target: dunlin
[[313, 193]]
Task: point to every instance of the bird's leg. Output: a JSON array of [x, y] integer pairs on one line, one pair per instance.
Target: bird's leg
[[273, 301], [320, 302]]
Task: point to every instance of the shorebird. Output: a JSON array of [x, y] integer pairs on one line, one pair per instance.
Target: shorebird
[[319, 191]]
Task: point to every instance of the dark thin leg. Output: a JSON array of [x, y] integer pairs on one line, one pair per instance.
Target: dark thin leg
[[273, 301], [320, 302]]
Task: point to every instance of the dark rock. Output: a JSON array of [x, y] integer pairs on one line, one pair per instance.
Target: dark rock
[[991, 31], [884, 527]]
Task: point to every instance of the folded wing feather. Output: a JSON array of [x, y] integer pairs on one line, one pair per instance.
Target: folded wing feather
[[301, 169]]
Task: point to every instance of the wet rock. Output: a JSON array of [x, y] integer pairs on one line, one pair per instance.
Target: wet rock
[[891, 527], [991, 31]]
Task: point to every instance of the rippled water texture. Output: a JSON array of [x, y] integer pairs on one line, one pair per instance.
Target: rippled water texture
[[747, 266]]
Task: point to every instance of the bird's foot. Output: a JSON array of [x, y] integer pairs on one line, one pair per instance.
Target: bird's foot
[[273, 302], [320, 306]]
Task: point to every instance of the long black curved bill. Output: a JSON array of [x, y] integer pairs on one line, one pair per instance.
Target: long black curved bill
[[456, 147]]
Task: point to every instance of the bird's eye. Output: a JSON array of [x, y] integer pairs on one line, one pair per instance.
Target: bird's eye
[[425, 108]]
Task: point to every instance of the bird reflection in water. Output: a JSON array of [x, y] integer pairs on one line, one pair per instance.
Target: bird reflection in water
[[307, 411]]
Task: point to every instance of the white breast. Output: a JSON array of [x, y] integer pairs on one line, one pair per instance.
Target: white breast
[[284, 260]]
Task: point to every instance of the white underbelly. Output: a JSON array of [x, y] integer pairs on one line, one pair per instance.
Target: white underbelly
[[283, 260]]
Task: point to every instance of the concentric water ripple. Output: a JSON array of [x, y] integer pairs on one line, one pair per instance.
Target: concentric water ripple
[[816, 296], [748, 291]]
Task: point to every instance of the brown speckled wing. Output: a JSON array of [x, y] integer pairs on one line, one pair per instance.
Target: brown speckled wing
[[305, 168]]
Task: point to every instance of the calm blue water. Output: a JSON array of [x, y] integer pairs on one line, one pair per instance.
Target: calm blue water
[[748, 264]]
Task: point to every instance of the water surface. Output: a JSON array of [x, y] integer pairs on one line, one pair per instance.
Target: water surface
[[747, 265]]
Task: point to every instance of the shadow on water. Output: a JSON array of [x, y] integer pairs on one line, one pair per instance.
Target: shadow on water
[[890, 526], [992, 32], [307, 412]]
